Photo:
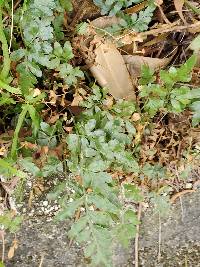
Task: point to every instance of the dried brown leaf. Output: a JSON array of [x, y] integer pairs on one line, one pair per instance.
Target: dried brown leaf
[[3, 150], [36, 92], [104, 22], [110, 71], [53, 97], [136, 117], [28, 145], [134, 63], [77, 99], [136, 8], [179, 8], [12, 249], [11, 252], [53, 119]]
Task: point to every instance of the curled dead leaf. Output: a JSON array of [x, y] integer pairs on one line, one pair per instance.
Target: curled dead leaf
[[68, 129], [3, 150], [36, 92], [53, 119], [179, 8], [134, 63], [136, 117], [109, 102], [12, 249], [110, 71], [28, 145], [136, 8], [104, 22], [77, 99], [11, 252], [53, 97]]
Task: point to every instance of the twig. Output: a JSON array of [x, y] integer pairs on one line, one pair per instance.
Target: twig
[[163, 15], [170, 28], [179, 194], [12, 25], [182, 210], [41, 261], [137, 236], [17, 4], [159, 237], [164, 29]]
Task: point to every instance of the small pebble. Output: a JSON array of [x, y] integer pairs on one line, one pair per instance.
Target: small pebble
[[45, 203], [42, 208], [188, 186], [49, 219], [24, 210], [51, 208], [29, 183]]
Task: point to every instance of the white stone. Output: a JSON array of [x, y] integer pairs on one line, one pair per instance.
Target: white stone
[[188, 186], [45, 203]]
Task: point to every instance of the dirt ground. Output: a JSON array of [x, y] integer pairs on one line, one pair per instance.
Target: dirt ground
[[42, 243]]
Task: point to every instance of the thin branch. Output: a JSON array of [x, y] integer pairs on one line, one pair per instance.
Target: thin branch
[[181, 193], [41, 261], [12, 25], [137, 236], [170, 28], [163, 29], [159, 237]]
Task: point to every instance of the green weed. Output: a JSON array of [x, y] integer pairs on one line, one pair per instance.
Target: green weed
[[101, 150]]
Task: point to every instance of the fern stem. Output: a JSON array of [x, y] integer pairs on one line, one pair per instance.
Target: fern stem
[[6, 61], [9, 88], [20, 121]]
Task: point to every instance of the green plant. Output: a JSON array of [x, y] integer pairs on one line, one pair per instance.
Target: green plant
[[53, 166], [171, 94], [98, 146], [114, 6], [4, 75], [137, 22], [195, 107], [10, 222], [154, 172], [103, 142], [39, 27], [8, 170]]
